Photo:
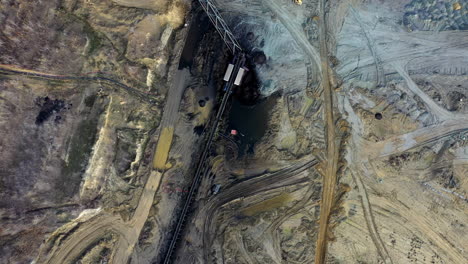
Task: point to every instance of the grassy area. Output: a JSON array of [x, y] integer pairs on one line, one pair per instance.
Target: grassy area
[[94, 37], [80, 148], [89, 101]]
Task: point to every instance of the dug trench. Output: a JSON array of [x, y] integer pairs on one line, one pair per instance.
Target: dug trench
[[247, 112]]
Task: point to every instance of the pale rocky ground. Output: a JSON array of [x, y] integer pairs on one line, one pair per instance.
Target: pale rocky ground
[[405, 205], [90, 148], [79, 187]]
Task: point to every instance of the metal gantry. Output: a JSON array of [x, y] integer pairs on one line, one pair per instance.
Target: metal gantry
[[221, 26]]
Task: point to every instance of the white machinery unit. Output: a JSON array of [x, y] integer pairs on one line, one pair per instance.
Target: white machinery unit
[[228, 73], [239, 76], [215, 188]]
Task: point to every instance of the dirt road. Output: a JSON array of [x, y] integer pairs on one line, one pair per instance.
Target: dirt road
[[387, 47], [371, 225], [96, 77], [67, 248], [436, 110], [398, 144], [329, 178], [296, 32], [320, 59], [71, 246]]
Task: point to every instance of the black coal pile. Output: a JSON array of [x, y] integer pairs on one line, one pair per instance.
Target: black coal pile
[[48, 108], [248, 92]]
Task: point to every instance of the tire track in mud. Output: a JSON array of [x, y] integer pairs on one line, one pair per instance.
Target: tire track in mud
[[378, 62], [296, 32], [440, 113], [393, 55], [240, 243], [68, 247], [320, 59], [271, 229], [425, 135], [391, 146], [371, 226], [249, 187], [421, 225], [13, 70]]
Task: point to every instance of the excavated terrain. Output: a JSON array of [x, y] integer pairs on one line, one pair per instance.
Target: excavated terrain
[[346, 143]]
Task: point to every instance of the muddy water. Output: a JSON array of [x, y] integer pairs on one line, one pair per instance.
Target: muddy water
[[251, 122]]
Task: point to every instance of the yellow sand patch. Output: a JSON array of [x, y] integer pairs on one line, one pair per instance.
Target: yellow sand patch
[[150, 4], [162, 150], [175, 16], [274, 168], [238, 172], [307, 103], [292, 222], [267, 205], [216, 162], [288, 141]]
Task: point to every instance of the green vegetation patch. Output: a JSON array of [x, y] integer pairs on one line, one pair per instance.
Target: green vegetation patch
[[94, 37], [80, 147]]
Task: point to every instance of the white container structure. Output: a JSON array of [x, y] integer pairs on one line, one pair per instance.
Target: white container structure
[[228, 73], [239, 76]]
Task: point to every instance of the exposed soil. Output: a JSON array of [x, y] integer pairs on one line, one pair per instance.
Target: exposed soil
[[347, 141]]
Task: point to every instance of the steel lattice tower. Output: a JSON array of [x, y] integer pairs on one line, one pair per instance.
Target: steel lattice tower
[[221, 26]]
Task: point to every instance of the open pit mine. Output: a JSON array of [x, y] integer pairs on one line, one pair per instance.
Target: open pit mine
[[234, 132]]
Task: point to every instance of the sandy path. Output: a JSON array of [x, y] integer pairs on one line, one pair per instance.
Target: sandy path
[[295, 30], [91, 231], [171, 109], [398, 144], [371, 225], [329, 180], [168, 122], [448, 44], [126, 243], [435, 109]]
